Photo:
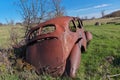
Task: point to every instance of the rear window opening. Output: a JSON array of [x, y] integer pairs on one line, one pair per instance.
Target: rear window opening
[[48, 29], [78, 24], [34, 34], [72, 26]]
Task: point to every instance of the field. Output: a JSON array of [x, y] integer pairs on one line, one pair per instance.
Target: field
[[100, 62], [102, 58], [7, 31]]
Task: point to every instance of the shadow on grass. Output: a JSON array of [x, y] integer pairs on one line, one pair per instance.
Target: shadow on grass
[[20, 51], [117, 24], [116, 61]]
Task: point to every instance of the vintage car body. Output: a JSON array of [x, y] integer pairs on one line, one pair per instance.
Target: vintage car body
[[54, 47]]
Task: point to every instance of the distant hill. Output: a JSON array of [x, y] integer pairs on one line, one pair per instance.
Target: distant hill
[[113, 14]]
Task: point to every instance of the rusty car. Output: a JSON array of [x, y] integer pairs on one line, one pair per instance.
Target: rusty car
[[54, 47]]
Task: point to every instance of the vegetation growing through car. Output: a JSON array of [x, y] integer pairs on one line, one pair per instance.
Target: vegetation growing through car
[[34, 34], [43, 30], [48, 29]]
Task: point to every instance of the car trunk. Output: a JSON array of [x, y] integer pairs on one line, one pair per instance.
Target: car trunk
[[47, 55]]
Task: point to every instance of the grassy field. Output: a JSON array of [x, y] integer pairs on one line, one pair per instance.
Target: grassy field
[[100, 62], [102, 21], [103, 55], [4, 35], [7, 31]]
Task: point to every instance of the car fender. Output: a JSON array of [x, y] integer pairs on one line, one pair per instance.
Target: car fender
[[88, 36]]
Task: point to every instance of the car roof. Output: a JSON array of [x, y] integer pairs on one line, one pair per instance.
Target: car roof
[[63, 20], [58, 20]]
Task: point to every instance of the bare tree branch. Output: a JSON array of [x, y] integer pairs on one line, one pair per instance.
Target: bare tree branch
[[32, 12], [58, 9], [35, 11]]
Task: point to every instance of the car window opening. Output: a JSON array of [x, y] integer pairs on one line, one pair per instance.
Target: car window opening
[[78, 24], [48, 29], [34, 34], [72, 26]]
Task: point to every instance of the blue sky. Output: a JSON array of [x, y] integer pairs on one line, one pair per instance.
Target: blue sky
[[82, 8], [90, 8]]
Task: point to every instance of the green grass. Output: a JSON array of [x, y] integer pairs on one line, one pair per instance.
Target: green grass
[[95, 64], [6, 31], [105, 43], [4, 35], [103, 21]]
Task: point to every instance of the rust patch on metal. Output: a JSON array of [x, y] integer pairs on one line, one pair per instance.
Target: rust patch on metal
[[54, 47]]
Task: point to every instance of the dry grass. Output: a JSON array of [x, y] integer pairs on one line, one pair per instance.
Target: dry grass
[[5, 32]]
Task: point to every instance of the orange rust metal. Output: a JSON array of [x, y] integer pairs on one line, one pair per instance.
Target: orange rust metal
[[59, 51]]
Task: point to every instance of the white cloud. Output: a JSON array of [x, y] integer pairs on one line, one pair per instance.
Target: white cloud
[[97, 14], [92, 7], [101, 6]]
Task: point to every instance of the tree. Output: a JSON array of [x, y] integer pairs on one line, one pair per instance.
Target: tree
[[32, 12], [86, 18], [10, 22], [93, 17], [103, 13], [1, 24], [35, 11], [57, 8]]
